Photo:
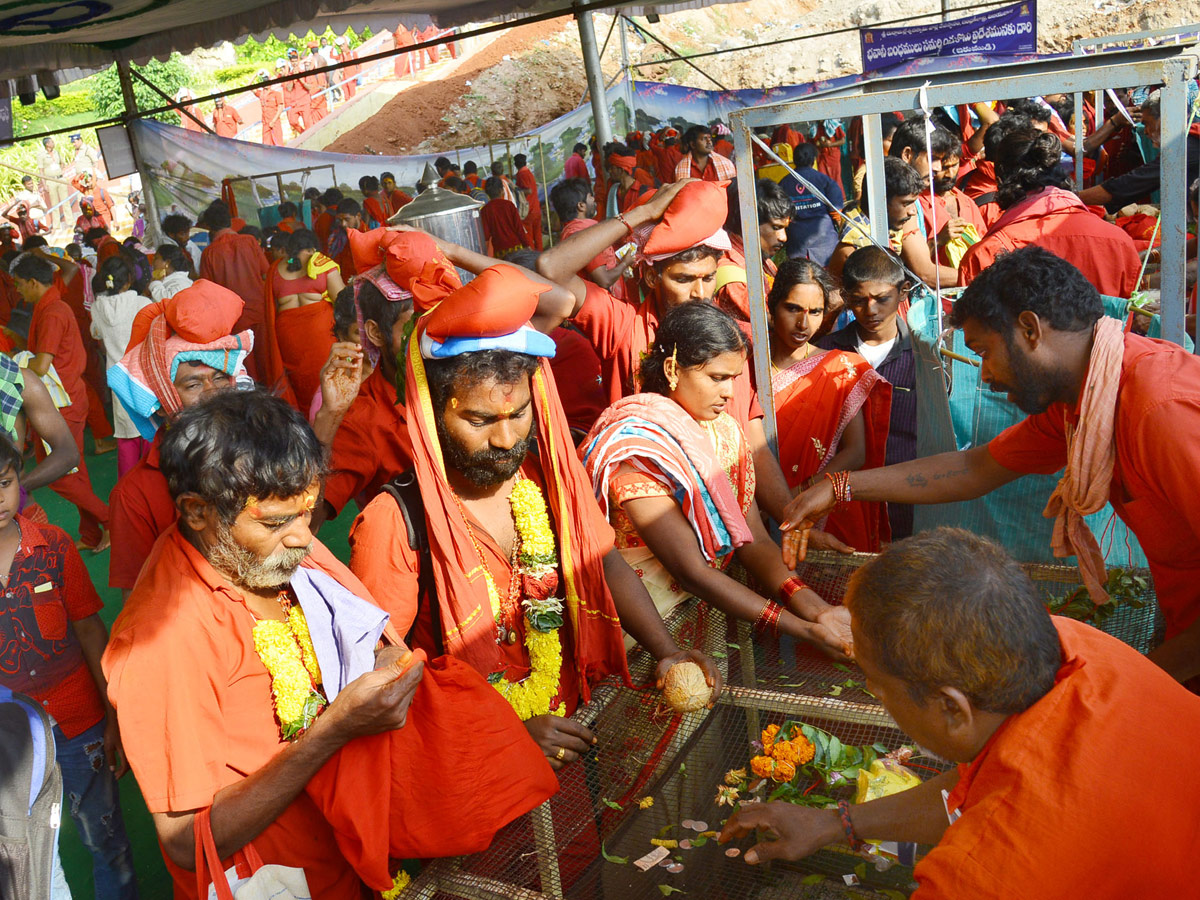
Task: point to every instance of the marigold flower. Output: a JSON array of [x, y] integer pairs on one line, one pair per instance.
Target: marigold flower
[[762, 766], [735, 777], [785, 751], [784, 771], [768, 738], [399, 883], [805, 748], [645, 802]]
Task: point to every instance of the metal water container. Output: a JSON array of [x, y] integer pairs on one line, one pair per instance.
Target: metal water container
[[446, 214]]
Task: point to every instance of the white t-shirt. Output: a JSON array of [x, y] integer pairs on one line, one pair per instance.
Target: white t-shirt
[[112, 324], [875, 353]]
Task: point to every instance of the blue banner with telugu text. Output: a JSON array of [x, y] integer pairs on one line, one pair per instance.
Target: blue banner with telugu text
[[1009, 30]]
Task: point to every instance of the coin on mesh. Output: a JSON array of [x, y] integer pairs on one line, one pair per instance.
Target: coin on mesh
[[689, 824], [732, 852], [685, 844], [697, 826], [675, 868]]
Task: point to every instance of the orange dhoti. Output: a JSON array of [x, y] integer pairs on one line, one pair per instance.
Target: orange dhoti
[[305, 337]]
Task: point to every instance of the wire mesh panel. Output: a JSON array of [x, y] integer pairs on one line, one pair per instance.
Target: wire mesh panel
[[651, 783]]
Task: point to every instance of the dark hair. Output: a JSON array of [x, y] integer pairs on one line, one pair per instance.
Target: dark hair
[[1027, 161], [332, 197], [217, 216], [176, 258], [252, 231], [462, 372], [911, 136], [689, 136], [799, 271], [454, 183], [240, 444], [36, 240], [498, 167], [348, 206], [297, 242], [118, 269], [175, 223], [441, 163], [494, 187], [33, 268], [345, 316], [378, 309], [948, 608], [10, 456], [694, 333], [888, 123], [519, 160], [1030, 108], [691, 254], [385, 175], [566, 196], [1032, 279], [92, 234], [773, 203], [312, 193], [368, 183], [872, 263], [899, 179], [804, 156], [1002, 128], [469, 168], [287, 208]]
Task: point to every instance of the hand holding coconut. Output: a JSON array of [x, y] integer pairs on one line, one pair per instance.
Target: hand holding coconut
[[689, 680]]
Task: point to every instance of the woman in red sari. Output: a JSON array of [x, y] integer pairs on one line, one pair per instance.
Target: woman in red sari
[[831, 407], [672, 471], [299, 315]]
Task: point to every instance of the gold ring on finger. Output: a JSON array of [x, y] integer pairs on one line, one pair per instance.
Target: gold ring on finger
[[561, 754]]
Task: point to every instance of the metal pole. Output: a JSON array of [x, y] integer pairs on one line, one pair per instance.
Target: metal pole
[[595, 77], [760, 333], [945, 9], [877, 189], [542, 174], [153, 227], [1173, 191], [1078, 140], [628, 72], [679, 56]]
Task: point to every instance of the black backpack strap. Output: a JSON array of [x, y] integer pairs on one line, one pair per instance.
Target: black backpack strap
[[984, 199], [407, 494]]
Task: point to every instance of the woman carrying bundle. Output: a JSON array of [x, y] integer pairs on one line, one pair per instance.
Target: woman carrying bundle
[[299, 317], [673, 472]]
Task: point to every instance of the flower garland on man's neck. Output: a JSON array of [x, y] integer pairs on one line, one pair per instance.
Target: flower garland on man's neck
[[534, 580], [286, 650]]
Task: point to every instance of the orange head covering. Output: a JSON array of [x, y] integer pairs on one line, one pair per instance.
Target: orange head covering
[[696, 217], [628, 163], [412, 260], [492, 312]]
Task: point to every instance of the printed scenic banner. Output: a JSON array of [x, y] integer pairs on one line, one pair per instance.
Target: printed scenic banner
[[186, 168], [1006, 31]]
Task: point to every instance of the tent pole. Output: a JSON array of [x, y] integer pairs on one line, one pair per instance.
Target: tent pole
[[628, 72], [153, 231], [595, 77]]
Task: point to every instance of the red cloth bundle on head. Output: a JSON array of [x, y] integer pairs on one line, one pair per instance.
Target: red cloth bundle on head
[[694, 218], [464, 605], [461, 768], [627, 163], [413, 261]]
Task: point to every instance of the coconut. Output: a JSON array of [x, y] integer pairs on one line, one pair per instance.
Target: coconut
[[685, 688]]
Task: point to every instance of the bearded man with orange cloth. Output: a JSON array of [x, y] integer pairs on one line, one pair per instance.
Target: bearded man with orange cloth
[[680, 236], [237, 261], [1119, 411], [510, 516], [1047, 799], [631, 183], [270, 707]]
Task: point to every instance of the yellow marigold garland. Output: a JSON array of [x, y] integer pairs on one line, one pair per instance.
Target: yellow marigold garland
[[279, 646], [308, 653], [537, 557], [399, 883]]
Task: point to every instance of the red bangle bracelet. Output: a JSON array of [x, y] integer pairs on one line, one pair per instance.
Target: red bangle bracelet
[[768, 619], [791, 586], [856, 843], [841, 487], [621, 218]]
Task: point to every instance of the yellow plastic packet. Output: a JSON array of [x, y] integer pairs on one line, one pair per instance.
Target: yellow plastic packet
[[957, 248], [883, 778]]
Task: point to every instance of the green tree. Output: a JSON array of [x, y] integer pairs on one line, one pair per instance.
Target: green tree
[[168, 76]]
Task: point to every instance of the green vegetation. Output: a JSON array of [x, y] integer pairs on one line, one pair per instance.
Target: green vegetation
[[169, 76]]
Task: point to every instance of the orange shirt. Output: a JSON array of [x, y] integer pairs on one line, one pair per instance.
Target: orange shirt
[[1056, 221], [237, 261], [1157, 436], [53, 330], [526, 181], [140, 508], [381, 557], [226, 121], [1060, 803], [371, 446], [194, 704]]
